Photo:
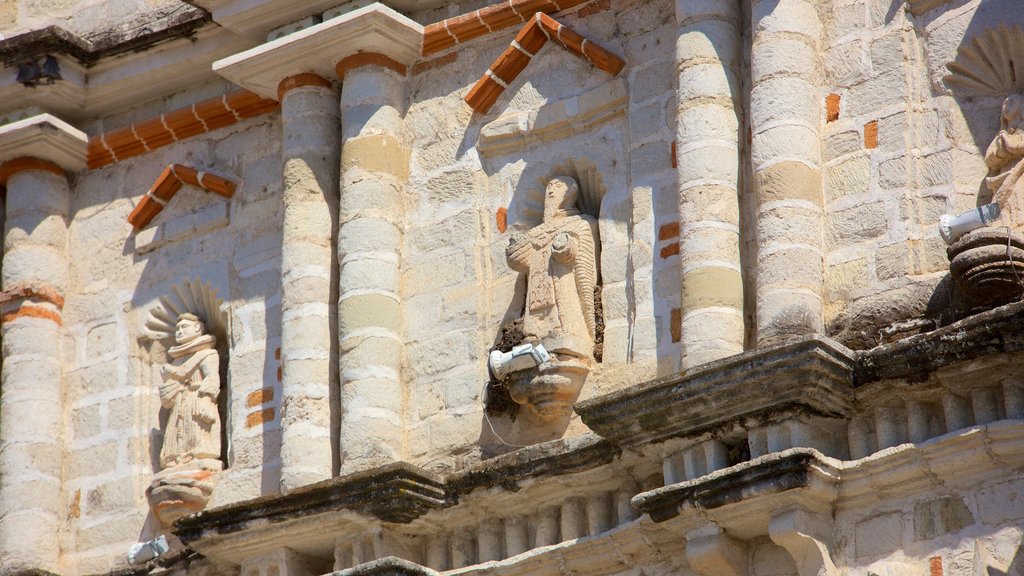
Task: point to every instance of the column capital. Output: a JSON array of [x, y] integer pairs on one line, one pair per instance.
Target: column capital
[[42, 142], [318, 49]]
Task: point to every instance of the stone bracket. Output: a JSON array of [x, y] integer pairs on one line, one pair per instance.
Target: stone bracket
[[808, 539], [712, 552]]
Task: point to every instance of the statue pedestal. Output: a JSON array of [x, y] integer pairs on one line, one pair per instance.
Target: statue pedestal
[[183, 489], [551, 389], [986, 269]]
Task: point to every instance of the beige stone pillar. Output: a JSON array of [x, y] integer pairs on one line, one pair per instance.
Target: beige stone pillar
[[310, 145], [785, 112], [708, 140], [374, 170], [34, 282]]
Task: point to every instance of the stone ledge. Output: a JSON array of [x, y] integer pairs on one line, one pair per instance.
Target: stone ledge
[[995, 331], [765, 476], [813, 376], [387, 566], [397, 493], [555, 458]]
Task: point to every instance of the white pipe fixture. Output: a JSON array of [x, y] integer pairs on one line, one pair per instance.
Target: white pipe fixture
[[145, 551], [953, 227], [522, 357]]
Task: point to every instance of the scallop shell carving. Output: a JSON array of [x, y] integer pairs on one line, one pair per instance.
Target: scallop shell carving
[[991, 65], [192, 296], [592, 190]]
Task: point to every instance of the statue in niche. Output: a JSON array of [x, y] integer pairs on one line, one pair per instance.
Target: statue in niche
[[559, 257], [189, 388], [191, 385]]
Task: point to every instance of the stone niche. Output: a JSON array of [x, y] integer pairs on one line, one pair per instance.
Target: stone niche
[[988, 263], [186, 340], [566, 243]]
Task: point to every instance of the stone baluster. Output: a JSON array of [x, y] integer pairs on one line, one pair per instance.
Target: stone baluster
[[374, 169], [785, 112], [517, 536], [310, 144], [1013, 398], [708, 121], [956, 410], [35, 279], [547, 527], [984, 406]]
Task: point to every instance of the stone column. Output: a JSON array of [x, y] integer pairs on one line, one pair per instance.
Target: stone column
[[785, 113], [708, 45], [310, 145], [34, 282], [374, 169]]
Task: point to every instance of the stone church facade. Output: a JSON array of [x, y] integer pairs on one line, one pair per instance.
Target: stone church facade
[[630, 287]]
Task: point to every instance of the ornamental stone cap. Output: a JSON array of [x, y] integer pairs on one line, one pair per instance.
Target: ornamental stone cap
[[317, 49], [45, 137]]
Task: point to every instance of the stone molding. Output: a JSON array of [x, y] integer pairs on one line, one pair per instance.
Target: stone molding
[[527, 43], [767, 476], [812, 376], [499, 16], [199, 118], [44, 137], [398, 493], [318, 49], [171, 179], [388, 566]]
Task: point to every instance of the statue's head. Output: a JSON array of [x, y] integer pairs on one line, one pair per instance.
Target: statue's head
[[1013, 113], [189, 328], [560, 195]]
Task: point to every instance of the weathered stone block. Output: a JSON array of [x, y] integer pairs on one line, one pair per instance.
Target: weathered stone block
[[934, 518], [878, 535]]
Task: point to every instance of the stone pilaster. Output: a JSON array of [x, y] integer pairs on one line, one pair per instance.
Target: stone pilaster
[[374, 170], [785, 112], [368, 315], [35, 279], [310, 147], [708, 123]]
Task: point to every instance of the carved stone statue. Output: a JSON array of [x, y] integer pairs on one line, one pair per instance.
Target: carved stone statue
[[190, 455], [191, 385], [559, 257], [1004, 159]]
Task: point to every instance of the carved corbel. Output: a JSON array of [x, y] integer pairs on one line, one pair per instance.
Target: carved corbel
[[712, 552], [808, 539]]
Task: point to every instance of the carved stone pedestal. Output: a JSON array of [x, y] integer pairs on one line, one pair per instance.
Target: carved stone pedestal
[[988, 270], [551, 389], [183, 489]]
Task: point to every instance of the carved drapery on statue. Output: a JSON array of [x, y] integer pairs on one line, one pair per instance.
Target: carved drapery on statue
[[189, 391], [559, 257]]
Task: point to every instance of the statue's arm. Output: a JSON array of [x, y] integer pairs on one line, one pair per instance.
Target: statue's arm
[[518, 253], [565, 247], [169, 390], [209, 388]]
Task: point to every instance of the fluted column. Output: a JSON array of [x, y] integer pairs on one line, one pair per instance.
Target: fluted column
[[785, 112], [374, 169], [708, 146], [310, 144], [34, 283]]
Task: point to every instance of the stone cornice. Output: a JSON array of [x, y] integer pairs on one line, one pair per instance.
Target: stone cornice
[[317, 49], [812, 376], [45, 137], [995, 331], [57, 40]]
